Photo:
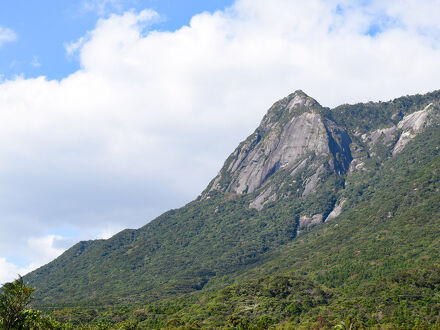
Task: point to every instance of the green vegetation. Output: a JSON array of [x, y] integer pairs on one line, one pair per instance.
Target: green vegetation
[[14, 297], [217, 263], [179, 252], [366, 117], [14, 300]]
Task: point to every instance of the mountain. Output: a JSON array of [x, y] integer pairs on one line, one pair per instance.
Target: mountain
[[332, 199], [296, 133]]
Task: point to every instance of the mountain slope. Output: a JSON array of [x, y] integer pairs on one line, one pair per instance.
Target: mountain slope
[[376, 264], [302, 164], [378, 261]]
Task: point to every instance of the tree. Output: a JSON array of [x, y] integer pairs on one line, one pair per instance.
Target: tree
[[14, 298]]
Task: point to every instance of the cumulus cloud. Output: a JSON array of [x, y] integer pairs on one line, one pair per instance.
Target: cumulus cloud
[[7, 35], [8, 271], [150, 116], [40, 249]]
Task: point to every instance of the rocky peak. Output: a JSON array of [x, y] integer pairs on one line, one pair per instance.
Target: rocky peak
[[300, 99], [295, 136], [293, 104]]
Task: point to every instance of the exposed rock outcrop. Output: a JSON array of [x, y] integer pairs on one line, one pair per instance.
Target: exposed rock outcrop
[[336, 210], [397, 137], [385, 135], [313, 181], [267, 196], [410, 125], [306, 221], [295, 135], [298, 146]]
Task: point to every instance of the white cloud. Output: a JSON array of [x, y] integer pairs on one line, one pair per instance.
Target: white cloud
[[73, 46], [43, 249], [8, 271], [150, 117], [35, 62], [40, 249], [104, 7], [143, 18], [7, 35], [109, 230], [101, 6]]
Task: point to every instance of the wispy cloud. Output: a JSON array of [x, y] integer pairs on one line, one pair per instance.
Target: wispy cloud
[[7, 35], [102, 7], [74, 46], [35, 62]]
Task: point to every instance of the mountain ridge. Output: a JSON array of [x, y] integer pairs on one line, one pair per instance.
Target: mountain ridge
[[232, 228]]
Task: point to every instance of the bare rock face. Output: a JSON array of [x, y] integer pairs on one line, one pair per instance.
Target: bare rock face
[[307, 221], [410, 125], [336, 210], [267, 196], [282, 147], [385, 135], [298, 146], [397, 137], [296, 134]]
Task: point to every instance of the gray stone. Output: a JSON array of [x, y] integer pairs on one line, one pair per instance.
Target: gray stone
[[306, 221], [336, 210], [313, 181], [263, 198], [290, 136], [410, 126]]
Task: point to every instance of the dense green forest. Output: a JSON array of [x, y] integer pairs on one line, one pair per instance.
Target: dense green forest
[[218, 263]]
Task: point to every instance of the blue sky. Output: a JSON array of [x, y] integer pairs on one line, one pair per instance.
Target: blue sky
[[42, 27], [140, 117]]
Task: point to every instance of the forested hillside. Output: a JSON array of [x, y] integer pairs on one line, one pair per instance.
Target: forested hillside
[[322, 217]]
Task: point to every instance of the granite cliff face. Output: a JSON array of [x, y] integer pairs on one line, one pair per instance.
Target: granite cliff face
[[390, 141], [299, 144], [298, 140]]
